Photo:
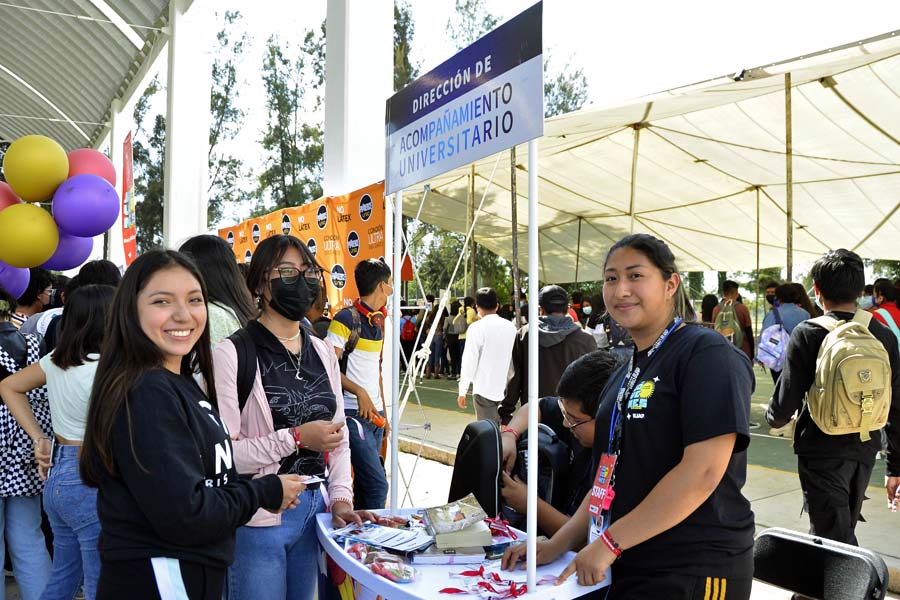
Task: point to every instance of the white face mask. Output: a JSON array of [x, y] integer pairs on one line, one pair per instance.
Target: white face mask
[[586, 310]]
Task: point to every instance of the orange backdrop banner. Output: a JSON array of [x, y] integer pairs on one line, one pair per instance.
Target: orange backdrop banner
[[339, 230]]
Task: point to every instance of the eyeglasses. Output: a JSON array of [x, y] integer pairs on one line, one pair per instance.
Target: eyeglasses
[[289, 275], [566, 422], [49, 292]]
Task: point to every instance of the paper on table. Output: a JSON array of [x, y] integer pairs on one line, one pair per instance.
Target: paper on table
[[400, 540]]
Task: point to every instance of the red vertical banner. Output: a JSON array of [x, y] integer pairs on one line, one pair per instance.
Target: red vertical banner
[[129, 234]]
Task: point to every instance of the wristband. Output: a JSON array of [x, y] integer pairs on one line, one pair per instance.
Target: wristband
[[296, 433], [611, 543], [507, 429]]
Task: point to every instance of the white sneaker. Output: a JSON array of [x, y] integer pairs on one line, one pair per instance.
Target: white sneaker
[[786, 432]]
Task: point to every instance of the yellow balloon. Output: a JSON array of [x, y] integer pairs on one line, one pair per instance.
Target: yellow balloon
[[28, 235], [34, 166]]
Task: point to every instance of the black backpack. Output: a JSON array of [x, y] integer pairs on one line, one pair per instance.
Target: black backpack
[[350, 346], [477, 467], [246, 365], [615, 333], [553, 466]]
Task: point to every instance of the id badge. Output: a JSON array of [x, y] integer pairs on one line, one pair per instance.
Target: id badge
[[601, 492]]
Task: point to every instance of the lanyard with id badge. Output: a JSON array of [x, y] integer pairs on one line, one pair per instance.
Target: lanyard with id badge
[[603, 489]]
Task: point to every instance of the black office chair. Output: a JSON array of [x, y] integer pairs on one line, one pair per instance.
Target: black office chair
[[818, 568]]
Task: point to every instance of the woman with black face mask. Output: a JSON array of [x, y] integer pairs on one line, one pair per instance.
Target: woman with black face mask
[[292, 419]]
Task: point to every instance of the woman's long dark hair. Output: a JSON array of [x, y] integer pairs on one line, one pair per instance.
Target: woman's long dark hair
[[224, 281], [82, 325], [662, 258], [127, 354]]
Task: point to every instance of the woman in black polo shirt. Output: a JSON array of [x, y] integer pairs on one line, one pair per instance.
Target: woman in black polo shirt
[[666, 511]]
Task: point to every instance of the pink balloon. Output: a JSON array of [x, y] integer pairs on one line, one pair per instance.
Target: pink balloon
[[7, 196], [91, 161]]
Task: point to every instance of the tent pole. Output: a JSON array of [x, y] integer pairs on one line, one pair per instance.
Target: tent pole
[[789, 168], [515, 236], [533, 253], [578, 251], [756, 310], [634, 159], [473, 248], [395, 351]]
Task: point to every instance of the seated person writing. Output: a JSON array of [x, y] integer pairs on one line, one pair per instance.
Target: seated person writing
[[571, 417]]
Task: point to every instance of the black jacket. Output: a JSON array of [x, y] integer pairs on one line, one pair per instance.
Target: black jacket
[[561, 341], [798, 376], [176, 491]]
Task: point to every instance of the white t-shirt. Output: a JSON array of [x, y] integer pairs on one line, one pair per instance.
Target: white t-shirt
[[487, 356], [69, 391]]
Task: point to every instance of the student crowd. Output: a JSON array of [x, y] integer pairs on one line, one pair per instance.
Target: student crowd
[[185, 422]]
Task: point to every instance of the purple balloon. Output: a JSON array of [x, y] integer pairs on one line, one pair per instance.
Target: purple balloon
[[70, 253], [14, 280], [85, 205]]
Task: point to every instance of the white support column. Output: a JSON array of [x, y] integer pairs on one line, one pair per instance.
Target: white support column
[[533, 275], [358, 80], [120, 125], [191, 41], [392, 368]]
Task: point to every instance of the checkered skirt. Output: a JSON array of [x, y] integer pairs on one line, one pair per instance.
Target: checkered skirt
[[18, 469]]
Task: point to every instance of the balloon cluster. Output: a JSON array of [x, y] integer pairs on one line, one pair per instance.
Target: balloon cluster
[[85, 204]]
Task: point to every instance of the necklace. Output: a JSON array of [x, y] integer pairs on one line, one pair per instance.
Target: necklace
[[295, 361]]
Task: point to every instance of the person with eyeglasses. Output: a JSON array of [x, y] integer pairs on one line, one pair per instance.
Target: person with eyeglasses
[[665, 513], [292, 422], [570, 414], [35, 298]]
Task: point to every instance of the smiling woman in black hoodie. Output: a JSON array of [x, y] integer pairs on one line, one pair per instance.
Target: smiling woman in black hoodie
[[169, 497]]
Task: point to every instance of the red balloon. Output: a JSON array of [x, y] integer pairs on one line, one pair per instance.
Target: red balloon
[[7, 196], [90, 161]]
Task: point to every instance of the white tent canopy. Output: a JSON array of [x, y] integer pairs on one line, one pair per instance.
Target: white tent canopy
[[708, 157]]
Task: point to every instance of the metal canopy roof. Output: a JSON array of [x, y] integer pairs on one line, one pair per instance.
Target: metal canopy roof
[[707, 171], [63, 62]]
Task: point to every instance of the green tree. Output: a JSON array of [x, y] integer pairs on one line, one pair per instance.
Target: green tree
[[564, 92], [439, 253], [886, 268], [225, 174], [148, 156], [294, 138], [694, 281], [404, 30], [470, 21]]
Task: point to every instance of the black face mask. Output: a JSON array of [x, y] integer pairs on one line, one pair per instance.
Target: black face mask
[[770, 298], [291, 300]]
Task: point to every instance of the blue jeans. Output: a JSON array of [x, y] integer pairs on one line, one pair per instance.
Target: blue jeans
[[279, 562], [370, 485], [437, 351], [20, 522], [71, 507]]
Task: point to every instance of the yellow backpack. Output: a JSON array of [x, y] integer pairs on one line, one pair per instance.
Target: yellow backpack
[[852, 389]]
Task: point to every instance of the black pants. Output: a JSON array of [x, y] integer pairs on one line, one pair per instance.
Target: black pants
[[833, 493], [650, 585], [138, 580], [455, 354]]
